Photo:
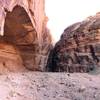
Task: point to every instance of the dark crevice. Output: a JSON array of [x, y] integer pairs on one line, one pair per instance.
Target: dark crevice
[[93, 54]]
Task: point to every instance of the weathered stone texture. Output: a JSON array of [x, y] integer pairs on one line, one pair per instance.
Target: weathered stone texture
[[78, 50], [23, 26]]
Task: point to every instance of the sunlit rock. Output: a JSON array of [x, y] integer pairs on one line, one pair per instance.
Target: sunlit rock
[[26, 39]]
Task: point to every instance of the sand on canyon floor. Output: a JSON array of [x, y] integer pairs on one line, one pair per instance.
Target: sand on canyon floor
[[50, 86]]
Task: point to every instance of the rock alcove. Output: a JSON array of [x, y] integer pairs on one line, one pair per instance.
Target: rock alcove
[[19, 47]]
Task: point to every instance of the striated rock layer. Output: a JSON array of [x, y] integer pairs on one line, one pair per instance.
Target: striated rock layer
[[26, 41], [78, 50]]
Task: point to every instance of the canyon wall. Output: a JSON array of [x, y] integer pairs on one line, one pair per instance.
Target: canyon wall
[[78, 49], [25, 41]]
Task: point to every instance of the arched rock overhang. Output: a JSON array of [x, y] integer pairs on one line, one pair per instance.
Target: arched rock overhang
[[25, 36], [18, 28], [9, 5], [19, 44]]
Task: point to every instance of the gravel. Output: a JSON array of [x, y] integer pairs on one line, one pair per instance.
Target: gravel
[[49, 86]]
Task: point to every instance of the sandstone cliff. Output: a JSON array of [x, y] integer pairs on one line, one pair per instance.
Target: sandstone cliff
[[78, 50], [26, 41]]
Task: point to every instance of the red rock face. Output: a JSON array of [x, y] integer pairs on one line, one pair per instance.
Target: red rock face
[[26, 39], [78, 50], [10, 59]]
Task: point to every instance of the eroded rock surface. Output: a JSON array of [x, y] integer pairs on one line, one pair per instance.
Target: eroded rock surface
[[78, 50], [23, 26]]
